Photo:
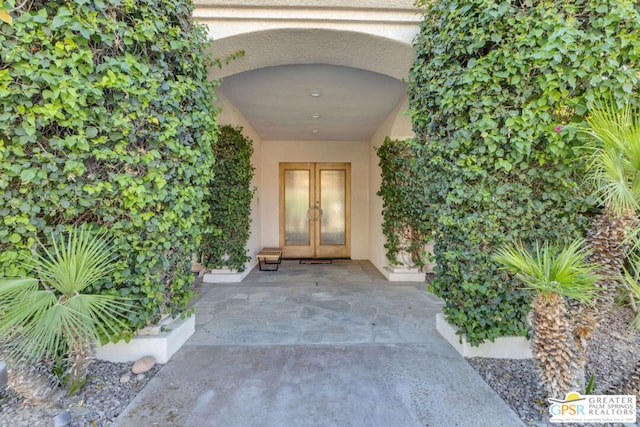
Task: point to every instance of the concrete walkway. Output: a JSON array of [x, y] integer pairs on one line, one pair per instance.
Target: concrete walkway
[[317, 345]]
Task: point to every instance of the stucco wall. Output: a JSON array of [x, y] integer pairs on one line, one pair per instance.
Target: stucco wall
[[351, 33], [274, 152], [385, 18]]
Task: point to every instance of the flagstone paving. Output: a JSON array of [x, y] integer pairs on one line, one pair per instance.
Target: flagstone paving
[[317, 345]]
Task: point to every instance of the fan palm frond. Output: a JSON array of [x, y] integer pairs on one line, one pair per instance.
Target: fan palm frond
[[552, 270], [48, 318], [614, 164], [76, 261], [104, 312]]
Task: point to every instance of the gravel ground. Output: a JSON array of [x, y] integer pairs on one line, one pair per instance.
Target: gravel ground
[[98, 403], [110, 389], [613, 353]]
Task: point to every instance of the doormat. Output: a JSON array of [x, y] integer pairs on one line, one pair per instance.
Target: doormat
[[316, 261]]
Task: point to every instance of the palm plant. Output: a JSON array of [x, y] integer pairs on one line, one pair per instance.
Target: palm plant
[[54, 315], [614, 171], [555, 274]]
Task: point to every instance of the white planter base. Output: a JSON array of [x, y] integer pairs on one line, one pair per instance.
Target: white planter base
[[161, 346], [224, 275], [501, 348], [398, 274]]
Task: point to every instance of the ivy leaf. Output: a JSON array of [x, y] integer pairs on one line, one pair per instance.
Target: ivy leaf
[[91, 132], [5, 17], [27, 175]]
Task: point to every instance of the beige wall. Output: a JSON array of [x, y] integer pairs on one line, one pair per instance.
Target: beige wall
[[397, 126], [356, 153]]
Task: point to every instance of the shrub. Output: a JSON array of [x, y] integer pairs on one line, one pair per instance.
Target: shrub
[[55, 316], [107, 119], [406, 228], [493, 87], [228, 199]]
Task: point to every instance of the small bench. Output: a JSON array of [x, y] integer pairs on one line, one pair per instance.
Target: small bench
[[269, 256]]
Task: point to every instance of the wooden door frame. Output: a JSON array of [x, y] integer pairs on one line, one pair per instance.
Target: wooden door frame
[[316, 249]]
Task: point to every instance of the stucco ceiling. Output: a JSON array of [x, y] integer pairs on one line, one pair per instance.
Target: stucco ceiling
[[278, 102]]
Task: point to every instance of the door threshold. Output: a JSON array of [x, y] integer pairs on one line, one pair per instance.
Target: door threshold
[[316, 261]]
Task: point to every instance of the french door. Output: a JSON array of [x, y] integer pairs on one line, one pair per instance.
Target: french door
[[315, 211]]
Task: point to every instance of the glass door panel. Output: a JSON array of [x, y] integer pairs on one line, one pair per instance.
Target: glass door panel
[[332, 203], [296, 195]]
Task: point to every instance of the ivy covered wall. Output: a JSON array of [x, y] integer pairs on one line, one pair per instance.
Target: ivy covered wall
[[497, 92], [229, 199], [106, 118], [406, 228]]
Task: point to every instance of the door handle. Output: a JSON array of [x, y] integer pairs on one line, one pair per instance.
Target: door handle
[[314, 213]]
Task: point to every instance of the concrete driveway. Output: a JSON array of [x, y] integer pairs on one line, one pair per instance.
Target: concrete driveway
[[317, 345]]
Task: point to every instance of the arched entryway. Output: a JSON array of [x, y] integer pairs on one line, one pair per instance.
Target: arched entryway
[[317, 95]]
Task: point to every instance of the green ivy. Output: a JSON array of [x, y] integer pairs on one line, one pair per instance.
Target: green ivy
[[404, 225], [228, 199], [496, 89], [107, 119]]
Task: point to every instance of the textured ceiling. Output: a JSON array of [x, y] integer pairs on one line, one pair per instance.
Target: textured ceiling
[[278, 104]]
